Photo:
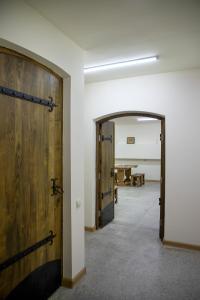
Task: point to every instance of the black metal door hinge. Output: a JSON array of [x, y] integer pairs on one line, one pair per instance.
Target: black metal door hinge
[[112, 172], [106, 138], [13, 93], [162, 137], [106, 193], [20, 255]]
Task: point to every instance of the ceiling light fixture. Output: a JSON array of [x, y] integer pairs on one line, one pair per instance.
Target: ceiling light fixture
[[144, 119], [121, 64]]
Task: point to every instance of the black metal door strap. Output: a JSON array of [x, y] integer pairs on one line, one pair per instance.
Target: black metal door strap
[[13, 93], [107, 138], [10, 261], [106, 193]]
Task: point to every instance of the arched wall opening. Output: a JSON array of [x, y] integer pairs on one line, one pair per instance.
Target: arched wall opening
[[99, 121]]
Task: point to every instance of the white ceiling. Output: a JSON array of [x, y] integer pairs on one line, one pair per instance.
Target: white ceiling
[[109, 30]]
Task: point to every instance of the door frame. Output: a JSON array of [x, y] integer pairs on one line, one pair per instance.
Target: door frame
[[19, 53], [162, 166]]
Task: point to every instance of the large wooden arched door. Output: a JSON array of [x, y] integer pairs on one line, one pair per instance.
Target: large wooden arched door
[[30, 156]]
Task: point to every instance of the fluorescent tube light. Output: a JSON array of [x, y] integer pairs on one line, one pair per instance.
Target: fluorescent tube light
[[144, 119], [121, 64]]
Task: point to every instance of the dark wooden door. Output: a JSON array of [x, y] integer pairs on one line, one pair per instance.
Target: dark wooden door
[[106, 176], [30, 155], [162, 181]]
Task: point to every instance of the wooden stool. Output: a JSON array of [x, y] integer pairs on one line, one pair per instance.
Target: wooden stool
[[142, 177], [138, 179]]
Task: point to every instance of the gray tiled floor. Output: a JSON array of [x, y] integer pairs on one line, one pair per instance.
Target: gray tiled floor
[[126, 261]]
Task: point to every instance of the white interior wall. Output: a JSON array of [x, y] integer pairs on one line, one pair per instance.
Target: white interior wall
[[23, 29], [144, 155], [147, 140], [175, 95]]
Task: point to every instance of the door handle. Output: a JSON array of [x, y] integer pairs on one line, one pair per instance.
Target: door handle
[[56, 189]]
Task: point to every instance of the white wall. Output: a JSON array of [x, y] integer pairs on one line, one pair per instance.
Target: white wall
[[147, 140], [177, 96], [23, 29], [145, 153]]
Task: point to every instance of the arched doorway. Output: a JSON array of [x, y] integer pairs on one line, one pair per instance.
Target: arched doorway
[[106, 212]]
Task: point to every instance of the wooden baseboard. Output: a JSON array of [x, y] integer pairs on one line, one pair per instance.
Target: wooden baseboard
[[70, 282], [90, 229], [151, 180], [181, 245]]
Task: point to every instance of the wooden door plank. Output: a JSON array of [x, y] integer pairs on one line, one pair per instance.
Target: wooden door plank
[[106, 169]]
